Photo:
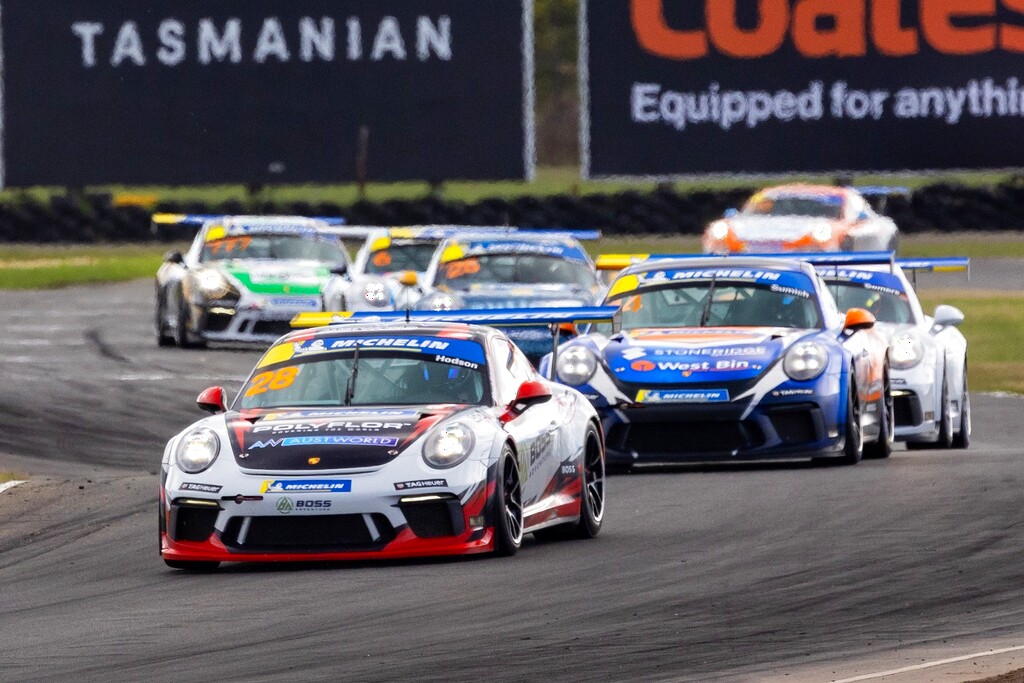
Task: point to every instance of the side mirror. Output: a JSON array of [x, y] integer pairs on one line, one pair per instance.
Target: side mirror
[[863, 216], [948, 316], [341, 269], [408, 279], [731, 213], [530, 394], [174, 257], [858, 319], [212, 401]]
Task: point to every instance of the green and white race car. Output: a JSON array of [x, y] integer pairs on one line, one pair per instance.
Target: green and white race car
[[245, 277]]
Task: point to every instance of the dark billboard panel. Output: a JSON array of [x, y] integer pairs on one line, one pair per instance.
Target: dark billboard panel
[[688, 87], [260, 91]]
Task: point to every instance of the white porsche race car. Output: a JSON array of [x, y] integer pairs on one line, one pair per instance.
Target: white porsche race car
[[362, 441], [927, 354]]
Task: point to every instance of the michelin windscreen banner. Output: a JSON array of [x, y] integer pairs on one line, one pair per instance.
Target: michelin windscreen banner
[[689, 87], [265, 91]]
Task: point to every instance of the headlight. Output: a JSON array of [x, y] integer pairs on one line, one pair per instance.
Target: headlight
[[375, 294], [212, 284], [197, 450], [805, 361], [444, 302], [905, 351], [822, 232], [719, 230], [576, 365], [448, 446]]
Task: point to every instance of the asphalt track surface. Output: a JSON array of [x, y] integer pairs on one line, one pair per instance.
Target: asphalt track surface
[[753, 573]]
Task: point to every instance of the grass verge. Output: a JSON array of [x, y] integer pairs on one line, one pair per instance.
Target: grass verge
[[48, 267], [7, 476], [993, 326]]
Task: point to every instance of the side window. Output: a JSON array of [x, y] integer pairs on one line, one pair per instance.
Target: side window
[[503, 359], [522, 370], [833, 317]]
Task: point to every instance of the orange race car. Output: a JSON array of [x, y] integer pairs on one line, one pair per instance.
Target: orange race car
[[802, 218]]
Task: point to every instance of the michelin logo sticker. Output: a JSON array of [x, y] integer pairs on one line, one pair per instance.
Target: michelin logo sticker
[[685, 396], [307, 486]]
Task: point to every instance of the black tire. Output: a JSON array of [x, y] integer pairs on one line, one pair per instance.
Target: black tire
[[882, 448], [592, 497], [945, 439], [507, 506], [183, 337], [162, 338], [962, 439], [190, 566], [853, 446]]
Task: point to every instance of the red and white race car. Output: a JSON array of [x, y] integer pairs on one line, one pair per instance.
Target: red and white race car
[[804, 218]]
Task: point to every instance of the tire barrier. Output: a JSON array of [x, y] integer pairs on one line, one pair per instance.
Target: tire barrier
[[87, 218]]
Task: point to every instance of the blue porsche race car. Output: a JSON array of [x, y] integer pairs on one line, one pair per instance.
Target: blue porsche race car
[[732, 359]]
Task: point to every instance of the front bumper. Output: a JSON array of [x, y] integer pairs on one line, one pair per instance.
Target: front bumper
[[914, 402], [781, 430], [262, 321], [371, 519]]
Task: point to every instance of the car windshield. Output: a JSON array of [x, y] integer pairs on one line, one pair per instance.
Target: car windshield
[[816, 207], [398, 257], [887, 307], [391, 377], [530, 269], [732, 305], [274, 247]]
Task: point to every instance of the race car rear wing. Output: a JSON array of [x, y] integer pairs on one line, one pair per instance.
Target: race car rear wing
[[512, 317], [552, 318], [620, 261], [199, 219]]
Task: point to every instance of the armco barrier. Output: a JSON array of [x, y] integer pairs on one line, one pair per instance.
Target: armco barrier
[[95, 218]]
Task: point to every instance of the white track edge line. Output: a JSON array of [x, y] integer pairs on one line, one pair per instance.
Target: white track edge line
[[9, 485], [929, 665]]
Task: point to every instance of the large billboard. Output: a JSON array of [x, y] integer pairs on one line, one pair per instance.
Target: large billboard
[[265, 91], [675, 88]]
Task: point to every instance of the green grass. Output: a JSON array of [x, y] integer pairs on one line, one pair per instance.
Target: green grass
[[993, 326], [48, 267], [550, 180]]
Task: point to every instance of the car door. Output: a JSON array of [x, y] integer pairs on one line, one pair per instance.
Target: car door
[[535, 430]]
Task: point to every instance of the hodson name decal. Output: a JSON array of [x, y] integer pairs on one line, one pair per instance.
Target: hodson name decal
[[230, 41]]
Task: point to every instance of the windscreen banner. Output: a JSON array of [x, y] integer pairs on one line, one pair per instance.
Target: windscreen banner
[[266, 91], [676, 88]]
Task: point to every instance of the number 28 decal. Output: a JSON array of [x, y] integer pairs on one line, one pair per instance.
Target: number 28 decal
[[272, 381]]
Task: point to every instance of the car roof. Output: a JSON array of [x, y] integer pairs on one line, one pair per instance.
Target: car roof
[[807, 189], [732, 262]]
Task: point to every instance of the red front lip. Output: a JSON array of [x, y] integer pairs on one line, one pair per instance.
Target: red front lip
[[406, 545]]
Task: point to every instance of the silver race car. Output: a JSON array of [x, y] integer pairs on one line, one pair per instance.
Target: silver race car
[[927, 354], [245, 277], [360, 441]]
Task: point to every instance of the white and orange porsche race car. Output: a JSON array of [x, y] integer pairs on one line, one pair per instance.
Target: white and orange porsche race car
[[804, 218]]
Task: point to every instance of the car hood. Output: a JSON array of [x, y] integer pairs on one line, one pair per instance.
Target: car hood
[[776, 228], [311, 439], [270, 277], [524, 296], [696, 354]]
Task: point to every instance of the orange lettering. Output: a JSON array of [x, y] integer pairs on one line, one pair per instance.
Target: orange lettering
[[845, 40], [763, 40], [937, 23], [887, 27], [1011, 38], [656, 37]]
